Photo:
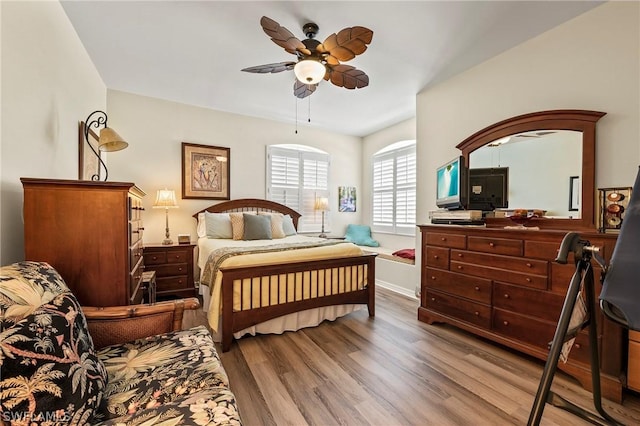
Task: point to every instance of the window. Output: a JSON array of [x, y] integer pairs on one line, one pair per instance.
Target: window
[[394, 189], [296, 176]]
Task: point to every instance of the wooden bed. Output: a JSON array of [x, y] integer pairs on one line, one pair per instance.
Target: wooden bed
[[324, 272]]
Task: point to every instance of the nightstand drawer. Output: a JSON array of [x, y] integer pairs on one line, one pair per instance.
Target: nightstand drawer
[[155, 258], [171, 283], [170, 270], [177, 256]]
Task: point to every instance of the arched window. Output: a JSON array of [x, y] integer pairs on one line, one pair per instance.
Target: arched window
[[296, 176], [394, 188]]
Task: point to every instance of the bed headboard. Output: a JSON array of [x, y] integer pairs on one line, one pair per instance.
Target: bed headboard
[[251, 205]]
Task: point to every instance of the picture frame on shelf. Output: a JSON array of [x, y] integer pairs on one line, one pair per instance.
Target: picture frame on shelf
[[205, 172]]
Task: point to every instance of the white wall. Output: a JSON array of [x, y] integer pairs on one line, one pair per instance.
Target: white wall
[[49, 84], [591, 62], [156, 128]]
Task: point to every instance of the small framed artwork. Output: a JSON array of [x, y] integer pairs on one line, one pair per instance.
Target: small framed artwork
[[205, 171], [574, 193], [347, 198], [88, 164]]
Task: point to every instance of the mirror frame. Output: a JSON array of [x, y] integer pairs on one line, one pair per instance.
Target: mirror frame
[[567, 119]]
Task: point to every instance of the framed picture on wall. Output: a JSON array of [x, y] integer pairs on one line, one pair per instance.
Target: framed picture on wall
[[347, 198], [205, 171], [88, 164]]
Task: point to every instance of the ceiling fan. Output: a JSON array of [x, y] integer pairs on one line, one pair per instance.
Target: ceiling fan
[[317, 61]]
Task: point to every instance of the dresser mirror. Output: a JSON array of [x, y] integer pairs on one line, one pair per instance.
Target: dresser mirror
[[551, 160]]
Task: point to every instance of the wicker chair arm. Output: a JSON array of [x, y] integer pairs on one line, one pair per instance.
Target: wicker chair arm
[[119, 324]]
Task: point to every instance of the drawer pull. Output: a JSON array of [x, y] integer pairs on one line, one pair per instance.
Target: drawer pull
[[435, 256], [154, 258], [528, 279], [460, 267], [476, 313], [505, 322], [577, 346], [459, 254], [477, 288], [443, 239], [180, 269], [433, 277], [529, 265], [492, 245], [433, 299], [506, 295]]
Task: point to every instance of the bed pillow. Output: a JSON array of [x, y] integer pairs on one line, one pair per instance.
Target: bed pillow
[[277, 231], [287, 225], [237, 224], [360, 235], [201, 228], [218, 225], [257, 227]]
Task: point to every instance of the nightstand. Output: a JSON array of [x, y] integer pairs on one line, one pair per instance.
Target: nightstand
[[173, 265]]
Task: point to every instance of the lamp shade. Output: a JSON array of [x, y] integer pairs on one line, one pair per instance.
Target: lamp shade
[[309, 71], [322, 203], [111, 141], [165, 198]]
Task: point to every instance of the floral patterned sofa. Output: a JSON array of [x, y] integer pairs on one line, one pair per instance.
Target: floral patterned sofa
[[52, 374]]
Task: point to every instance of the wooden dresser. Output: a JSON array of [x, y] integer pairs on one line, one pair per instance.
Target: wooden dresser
[[91, 233], [503, 284], [174, 269]]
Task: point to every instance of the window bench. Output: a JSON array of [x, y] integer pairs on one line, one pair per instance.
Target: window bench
[[394, 272]]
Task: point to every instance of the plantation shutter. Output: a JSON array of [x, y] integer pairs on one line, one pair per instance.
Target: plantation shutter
[[394, 191], [296, 178]]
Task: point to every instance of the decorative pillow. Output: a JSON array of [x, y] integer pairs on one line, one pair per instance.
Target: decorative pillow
[[287, 225], [237, 224], [406, 253], [218, 225], [257, 227], [50, 371], [201, 228], [277, 231], [360, 235]]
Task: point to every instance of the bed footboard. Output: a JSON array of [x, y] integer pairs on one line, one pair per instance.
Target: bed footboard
[[261, 293]]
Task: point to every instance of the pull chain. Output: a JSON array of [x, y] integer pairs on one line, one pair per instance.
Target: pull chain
[[296, 101], [309, 112]]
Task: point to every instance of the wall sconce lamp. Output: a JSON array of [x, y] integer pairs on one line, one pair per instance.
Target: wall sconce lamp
[[166, 199], [108, 140], [322, 204]]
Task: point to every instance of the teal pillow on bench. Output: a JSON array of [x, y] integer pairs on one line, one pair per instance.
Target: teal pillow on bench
[[360, 235]]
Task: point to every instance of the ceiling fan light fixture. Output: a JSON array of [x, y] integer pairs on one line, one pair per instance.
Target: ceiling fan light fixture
[[309, 71]]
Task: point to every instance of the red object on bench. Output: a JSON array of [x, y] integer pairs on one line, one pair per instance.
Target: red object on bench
[[406, 253]]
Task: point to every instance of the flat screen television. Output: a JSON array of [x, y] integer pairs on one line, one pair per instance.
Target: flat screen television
[[451, 179], [489, 188]]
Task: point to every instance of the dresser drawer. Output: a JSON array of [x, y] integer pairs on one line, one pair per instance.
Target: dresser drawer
[[540, 304], [155, 258], [523, 328], [528, 280], [580, 351], [171, 283], [477, 289], [561, 277], [170, 269], [462, 309], [177, 256], [530, 266], [437, 257], [135, 254], [446, 240], [496, 245]]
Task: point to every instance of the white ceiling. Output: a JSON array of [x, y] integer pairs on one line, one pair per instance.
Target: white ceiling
[[192, 52]]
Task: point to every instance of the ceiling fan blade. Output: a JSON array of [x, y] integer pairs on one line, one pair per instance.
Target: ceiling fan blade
[[283, 37], [347, 43], [347, 76], [271, 68], [302, 90]]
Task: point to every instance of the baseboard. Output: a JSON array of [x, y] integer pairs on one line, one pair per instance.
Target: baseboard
[[396, 289]]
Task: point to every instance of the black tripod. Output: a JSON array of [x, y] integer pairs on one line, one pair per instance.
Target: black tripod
[[583, 252]]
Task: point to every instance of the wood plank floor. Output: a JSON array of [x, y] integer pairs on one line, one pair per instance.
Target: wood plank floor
[[392, 370]]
